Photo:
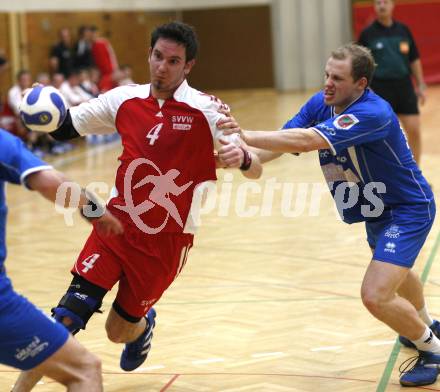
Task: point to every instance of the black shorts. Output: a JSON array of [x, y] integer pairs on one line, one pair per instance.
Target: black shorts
[[399, 93]]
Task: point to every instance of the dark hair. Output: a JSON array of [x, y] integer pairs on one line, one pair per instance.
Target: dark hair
[[73, 72], [362, 61], [21, 72], [180, 33], [82, 29]]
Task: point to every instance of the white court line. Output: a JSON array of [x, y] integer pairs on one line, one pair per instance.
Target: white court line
[[262, 355], [210, 360], [381, 342], [327, 332], [326, 348]]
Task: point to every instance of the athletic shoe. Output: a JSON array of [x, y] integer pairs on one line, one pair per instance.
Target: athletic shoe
[[424, 371], [435, 327], [135, 353], [38, 152]]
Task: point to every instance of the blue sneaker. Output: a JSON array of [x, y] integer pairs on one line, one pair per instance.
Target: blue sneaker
[[135, 353], [435, 327], [424, 371]]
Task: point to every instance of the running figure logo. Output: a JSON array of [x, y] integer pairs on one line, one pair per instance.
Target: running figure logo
[[164, 184]]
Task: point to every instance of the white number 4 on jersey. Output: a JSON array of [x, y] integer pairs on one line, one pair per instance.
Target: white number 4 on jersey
[[153, 135]]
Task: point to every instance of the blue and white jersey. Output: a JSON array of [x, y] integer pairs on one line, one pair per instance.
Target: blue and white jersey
[[369, 167], [16, 163]]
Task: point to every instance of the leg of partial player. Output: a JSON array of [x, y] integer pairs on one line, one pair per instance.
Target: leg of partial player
[[136, 334], [72, 365], [379, 288], [27, 380]]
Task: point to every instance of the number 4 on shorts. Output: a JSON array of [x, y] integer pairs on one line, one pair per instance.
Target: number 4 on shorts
[[89, 262]]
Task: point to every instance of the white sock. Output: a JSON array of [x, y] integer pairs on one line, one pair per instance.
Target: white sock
[[424, 315], [428, 342]]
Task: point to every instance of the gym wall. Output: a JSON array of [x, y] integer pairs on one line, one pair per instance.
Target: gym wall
[[5, 77], [220, 64]]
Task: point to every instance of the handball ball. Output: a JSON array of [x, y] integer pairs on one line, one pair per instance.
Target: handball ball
[[43, 109]]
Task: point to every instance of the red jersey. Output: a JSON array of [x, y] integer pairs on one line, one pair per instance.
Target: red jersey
[[167, 151], [104, 56]]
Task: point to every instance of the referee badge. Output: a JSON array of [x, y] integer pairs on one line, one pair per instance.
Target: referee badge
[[404, 47]]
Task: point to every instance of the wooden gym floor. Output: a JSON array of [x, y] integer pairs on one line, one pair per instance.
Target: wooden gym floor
[[267, 302]]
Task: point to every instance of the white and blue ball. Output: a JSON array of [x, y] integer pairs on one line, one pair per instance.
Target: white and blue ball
[[43, 109]]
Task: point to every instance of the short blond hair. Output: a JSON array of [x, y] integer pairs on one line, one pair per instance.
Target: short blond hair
[[362, 61]]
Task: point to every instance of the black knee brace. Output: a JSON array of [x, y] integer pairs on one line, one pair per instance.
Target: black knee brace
[[79, 303]]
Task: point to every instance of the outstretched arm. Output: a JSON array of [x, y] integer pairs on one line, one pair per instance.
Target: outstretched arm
[[47, 182], [265, 155], [286, 140], [241, 157], [255, 169], [295, 140]]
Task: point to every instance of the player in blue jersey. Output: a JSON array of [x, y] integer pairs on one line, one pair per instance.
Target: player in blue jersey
[[28, 338], [374, 179]]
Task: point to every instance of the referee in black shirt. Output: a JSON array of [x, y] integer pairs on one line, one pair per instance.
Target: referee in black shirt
[[397, 58]]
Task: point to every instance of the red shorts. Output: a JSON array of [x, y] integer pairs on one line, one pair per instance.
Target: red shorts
[[145, 265]]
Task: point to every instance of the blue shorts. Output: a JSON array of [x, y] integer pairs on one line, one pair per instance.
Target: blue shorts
[[27, 335], [398, 237]]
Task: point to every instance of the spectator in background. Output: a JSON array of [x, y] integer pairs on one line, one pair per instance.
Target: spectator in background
[[397, 58], [87, 84], [95, 76], [57, 80], [104, 58], [118, 77], [3, 61], [15, 93], [126, 72], [72, 91], [43, 78], [83, 48], [61, 55]]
